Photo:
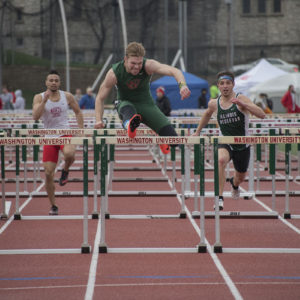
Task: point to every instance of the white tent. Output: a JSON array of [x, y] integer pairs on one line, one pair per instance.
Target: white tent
[[263, 71], [275, 88]]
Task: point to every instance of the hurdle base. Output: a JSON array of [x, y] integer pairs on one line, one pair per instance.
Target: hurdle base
[[17, 216], [287, 215], [202, 248], [218, 248], [107, 215], [182, 215], [3, 217], [102, 249], [85, 248], [95, 216]]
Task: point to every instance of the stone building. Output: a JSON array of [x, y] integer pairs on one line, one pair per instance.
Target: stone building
[[269, 28]]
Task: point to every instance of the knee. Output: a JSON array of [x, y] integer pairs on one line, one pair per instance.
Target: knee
[[167, 130], [69, 156], [222, 162], [49, 174]]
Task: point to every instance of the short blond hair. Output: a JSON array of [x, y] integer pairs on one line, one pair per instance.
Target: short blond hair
[[135, 49]]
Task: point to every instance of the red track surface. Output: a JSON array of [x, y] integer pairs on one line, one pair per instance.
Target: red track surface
[[148, 275]]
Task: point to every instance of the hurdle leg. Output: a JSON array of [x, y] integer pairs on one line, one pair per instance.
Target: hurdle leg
[[102, 245], [95, 214], [272, 168], [17, 215], [3, 215], [217, 245], [183, 212], [196, 207], [287, 214], [202, 246], [251, 172], [173, 160], [85, 247]]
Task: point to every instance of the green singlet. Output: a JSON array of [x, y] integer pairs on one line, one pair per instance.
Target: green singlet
[[233, 122], [134, 90]]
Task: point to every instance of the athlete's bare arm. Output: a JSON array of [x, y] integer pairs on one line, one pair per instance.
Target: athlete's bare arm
[[152, 66], [247, 105], [211, 108], [39, 103], [74, 105], [105, 88]]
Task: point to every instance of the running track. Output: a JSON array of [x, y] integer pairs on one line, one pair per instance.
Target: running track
[[142, 275]]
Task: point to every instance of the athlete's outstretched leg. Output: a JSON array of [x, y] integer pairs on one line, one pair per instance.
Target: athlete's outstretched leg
[[129, 117]]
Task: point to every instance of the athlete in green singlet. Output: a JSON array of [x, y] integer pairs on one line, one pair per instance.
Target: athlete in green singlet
[[233, 118], [134, 102]]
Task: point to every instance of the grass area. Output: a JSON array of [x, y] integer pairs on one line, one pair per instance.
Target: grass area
[[281, 147], [19, 58], [28, 96]]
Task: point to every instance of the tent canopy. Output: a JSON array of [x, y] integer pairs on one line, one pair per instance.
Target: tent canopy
[[195, 84], [262, 72], [275, 88]]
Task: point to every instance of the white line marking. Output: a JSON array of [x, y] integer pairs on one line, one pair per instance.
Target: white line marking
[[7, 207], [151, 284], [93, 267]]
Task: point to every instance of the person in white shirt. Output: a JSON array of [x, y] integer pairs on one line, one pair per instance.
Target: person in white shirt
[[52, 106], [20, 101]]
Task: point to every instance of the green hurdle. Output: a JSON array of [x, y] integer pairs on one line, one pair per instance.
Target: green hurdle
[[217, 245], [3, 214]]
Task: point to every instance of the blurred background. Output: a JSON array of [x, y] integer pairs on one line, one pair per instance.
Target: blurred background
[[201, 37]]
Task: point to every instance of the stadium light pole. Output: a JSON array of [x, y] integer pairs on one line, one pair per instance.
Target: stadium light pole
[[123, 21], [65, 28], [229, 52]]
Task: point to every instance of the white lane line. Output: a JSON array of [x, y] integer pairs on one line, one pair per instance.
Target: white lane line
[[93, 267], [151, 284], [233, 289]]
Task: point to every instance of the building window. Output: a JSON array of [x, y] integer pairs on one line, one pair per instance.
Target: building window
[[277, 6], [19, 42], [261, 6], [77, 9], [173, 7], [246, 7]]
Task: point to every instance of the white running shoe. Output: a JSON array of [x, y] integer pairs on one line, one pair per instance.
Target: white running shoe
[[235, 192], [221, 204]]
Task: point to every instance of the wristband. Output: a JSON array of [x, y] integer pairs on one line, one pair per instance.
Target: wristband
[[181, 84]]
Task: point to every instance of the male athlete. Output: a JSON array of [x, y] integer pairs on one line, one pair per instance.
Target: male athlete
[[52, 106], [134, 103], [233, 118]]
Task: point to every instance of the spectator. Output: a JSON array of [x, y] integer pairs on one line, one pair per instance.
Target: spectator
[[267, 101], [7, 98], [289, 100], [202, 100], [20, 101], [78, 95], [162, 101], [262, 103], [87, 101], [214, 91]]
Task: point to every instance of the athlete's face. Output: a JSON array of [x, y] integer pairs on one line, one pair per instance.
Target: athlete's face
[[133, 64], [225, 86], [53, 82]]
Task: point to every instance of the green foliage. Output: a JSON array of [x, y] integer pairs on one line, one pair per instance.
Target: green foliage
[[18, 58]]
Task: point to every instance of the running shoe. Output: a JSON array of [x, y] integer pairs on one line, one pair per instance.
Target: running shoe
[[53, 211], [132, 125], [165, 149], [221, 204], [64, 177], [235, 191]]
